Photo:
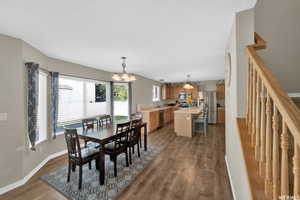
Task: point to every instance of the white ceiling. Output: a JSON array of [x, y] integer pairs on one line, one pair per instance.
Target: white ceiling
[[162, 38]]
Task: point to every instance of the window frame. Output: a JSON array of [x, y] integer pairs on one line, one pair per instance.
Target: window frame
[[155, 93]]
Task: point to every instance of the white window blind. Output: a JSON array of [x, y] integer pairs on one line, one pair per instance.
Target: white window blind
[[42, 108], [77, 99]]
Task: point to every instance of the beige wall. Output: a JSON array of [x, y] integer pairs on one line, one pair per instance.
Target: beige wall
[[241, 35], [277, 21], [11, 102], [16, 159]]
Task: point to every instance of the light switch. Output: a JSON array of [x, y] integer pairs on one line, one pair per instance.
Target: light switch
[[3, 116]]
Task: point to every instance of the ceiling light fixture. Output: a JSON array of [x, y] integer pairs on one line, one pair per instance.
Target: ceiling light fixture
[[124, 76], [188, 85]]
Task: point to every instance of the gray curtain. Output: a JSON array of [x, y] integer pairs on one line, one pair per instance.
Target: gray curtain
[[54, 101], [32, 101]]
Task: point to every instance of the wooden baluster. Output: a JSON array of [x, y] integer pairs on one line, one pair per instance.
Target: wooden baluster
[[284, 161], [262, 132], [275, 154], [249, 113], [268, 178], [296, 170], [257, 126], [253, 109]]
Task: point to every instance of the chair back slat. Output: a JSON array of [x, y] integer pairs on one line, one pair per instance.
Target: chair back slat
[[73, 145], [88, 123], [135, 123], [105, 120]]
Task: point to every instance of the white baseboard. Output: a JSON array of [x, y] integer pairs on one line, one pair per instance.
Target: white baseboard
[[28, 176], [230, 178]]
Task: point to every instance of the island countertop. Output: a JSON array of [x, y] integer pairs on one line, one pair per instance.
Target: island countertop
[[192, 110], [157, 109]]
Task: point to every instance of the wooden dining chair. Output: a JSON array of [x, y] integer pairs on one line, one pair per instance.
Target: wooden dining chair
[[134, 123], [89, 124], [105, 120], [134, 140], [78, 156], [118, 145]]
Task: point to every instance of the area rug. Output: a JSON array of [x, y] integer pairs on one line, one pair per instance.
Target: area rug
[[113, 187]]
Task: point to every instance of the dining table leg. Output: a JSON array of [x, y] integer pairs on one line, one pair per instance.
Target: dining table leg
[[145, 137], [102, 165]]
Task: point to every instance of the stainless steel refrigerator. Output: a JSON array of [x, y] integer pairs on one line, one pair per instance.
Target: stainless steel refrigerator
[[210, 98]]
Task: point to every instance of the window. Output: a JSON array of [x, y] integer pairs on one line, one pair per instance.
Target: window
[[121, 101], [42, 108], [81, 98], [156, 93]]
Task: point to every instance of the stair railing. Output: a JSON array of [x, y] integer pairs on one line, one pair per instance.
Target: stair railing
[[273, 122]]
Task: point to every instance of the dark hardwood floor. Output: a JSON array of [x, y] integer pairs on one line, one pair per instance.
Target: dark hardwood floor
[[186, 169]]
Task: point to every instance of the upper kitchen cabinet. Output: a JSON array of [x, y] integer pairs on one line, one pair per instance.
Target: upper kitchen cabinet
[[172, 91], [166, 92], [164, 95], [220, 91]]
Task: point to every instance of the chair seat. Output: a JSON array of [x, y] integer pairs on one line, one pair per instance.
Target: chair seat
[[92, 145], [110, 147], [88, 152]]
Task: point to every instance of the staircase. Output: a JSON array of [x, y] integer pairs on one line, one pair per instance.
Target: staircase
[[270, 135]]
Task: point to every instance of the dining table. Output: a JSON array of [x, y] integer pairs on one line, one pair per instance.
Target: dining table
[[104, 135]]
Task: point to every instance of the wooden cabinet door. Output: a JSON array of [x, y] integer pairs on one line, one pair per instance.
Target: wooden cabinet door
[[177, 90], [221, 115], [153, 120], [168, 92], [164, 92], [221, 91]]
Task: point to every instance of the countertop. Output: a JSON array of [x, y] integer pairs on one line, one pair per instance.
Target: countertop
[[158, 109], [193, 110]]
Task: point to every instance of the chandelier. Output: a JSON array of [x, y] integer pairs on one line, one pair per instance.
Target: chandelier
[[188, 85], [124, 76]]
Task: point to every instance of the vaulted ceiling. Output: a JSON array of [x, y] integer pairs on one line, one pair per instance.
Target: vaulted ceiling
[[162, 38]]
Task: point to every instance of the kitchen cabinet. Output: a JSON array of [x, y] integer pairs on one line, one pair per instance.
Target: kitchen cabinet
[[169, 91], [151, 117], [183, 121], [164, 94], [221, 115], [168, 115], [221, 91], [153, 120], [166, 91]]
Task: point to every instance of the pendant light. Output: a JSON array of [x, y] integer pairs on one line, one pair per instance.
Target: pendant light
[[188, 85], [124, 76]]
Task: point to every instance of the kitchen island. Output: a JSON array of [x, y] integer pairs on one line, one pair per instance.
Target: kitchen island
[[183, 121]]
